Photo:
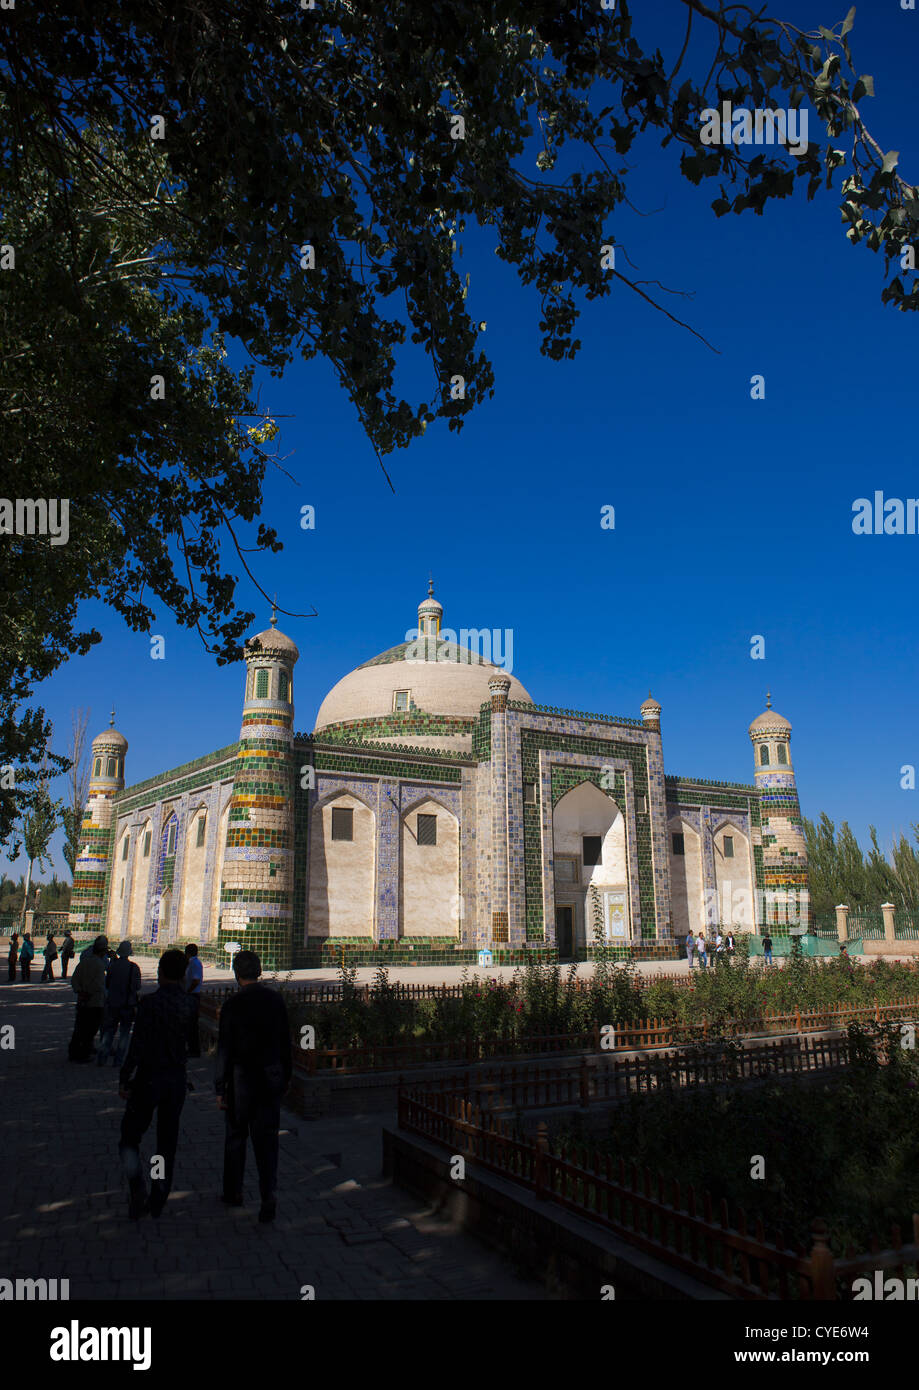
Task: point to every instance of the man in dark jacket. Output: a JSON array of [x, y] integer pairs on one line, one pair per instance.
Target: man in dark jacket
[[122, 991], [88, 984], [253, 1072], [153, 1078], [68, 951]]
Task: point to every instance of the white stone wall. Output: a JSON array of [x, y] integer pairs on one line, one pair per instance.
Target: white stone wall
[[430, 875], [686, 898], [193, 875], [734, 879], [342, 872]]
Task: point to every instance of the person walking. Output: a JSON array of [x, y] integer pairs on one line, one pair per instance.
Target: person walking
[[68, 951], [690, 947], [701, 952], [719, 947], [253, 1072], [88, 984], [26, 956], [122, 991], [50, 955], [153, 1078], [13, 957], [730, 946], [194, 974], [767, 949]]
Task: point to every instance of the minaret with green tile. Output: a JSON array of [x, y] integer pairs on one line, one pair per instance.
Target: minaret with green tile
[[256, 894], [94, 861]]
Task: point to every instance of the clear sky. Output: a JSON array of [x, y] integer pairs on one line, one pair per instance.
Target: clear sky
[[732, 516]]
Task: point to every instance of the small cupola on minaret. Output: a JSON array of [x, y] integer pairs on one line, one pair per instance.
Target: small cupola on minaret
[[430, 614], [107, 771], [270, 660], [770, 734]]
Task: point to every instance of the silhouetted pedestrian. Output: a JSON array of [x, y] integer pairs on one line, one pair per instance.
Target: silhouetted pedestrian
[[50, 955], [194, 974], [88, 983], [253, 1072], [68, 951], [767, 949], [153, 1078], [122, 991], [13, 957], [26, 956]]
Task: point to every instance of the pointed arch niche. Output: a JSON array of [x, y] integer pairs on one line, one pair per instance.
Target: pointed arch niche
[[342, 867], [589, 849], [429, 887]]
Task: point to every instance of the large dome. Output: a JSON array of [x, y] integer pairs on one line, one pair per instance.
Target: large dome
[[429, 681]]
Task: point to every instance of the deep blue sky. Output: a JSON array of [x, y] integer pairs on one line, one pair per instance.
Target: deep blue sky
[[733, 516]]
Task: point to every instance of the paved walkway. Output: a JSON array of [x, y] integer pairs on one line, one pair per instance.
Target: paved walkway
[[341, 1227]]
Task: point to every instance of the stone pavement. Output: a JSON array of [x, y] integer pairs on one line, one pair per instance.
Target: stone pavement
[[341, 1227]]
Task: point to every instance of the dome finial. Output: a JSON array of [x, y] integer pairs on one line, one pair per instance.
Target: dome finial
[[430, 585], [274, 612], [768, 700], [111, 722]]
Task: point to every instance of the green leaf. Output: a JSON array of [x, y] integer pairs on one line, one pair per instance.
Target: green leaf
[[848, 22], [891, 159]]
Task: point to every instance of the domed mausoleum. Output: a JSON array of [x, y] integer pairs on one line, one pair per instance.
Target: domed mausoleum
[[434, 810], [430, 688]]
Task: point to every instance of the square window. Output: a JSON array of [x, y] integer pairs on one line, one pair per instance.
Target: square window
[[342, 823], [729, 846], [783, 754], [261, 685], [427, 830], [565, 869], [400, 700], [202, 821], [592, 846], [529, 793], [147, 839], [678, 845], [641, 805]]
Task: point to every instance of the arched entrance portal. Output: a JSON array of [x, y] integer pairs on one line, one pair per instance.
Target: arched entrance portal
[[589, 850]]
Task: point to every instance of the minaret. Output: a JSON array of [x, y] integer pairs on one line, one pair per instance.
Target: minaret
[[784, 846], [256, 895], [87, 899]]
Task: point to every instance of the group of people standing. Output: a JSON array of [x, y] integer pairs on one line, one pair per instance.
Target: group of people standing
[[157, 1033], [22, 955], [722, 950]]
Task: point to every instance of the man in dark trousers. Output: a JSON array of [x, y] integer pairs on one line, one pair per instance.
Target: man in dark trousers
[[194, 974], [253, 1072], [88, 984], [68, 951], [122, 991], [153, 1078]]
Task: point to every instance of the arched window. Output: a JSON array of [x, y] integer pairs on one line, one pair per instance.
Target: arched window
[[783, 754], [283, 685], [764, 755], [110, 768], [261, 685], [97, 768]]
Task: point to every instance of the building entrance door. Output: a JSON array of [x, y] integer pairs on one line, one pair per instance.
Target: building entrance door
[[564, 930]]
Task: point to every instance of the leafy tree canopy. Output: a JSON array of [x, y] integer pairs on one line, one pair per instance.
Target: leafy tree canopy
[[338, 129]]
